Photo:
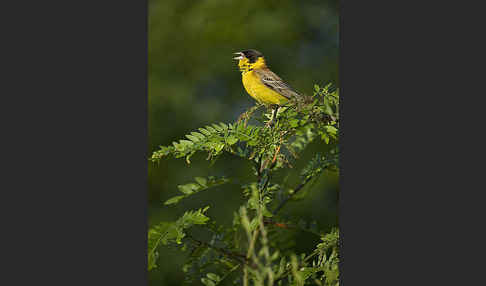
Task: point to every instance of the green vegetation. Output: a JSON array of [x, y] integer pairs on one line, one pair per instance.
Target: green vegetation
[[194, 82], [259, 246]]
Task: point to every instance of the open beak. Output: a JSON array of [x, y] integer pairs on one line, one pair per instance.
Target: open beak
[[240, 56]]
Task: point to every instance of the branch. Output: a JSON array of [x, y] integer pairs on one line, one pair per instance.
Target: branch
[[241, 258], [299, 187]]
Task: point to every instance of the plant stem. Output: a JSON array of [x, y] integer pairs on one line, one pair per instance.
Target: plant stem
[[241, 258], [287, 272], [299, 187]]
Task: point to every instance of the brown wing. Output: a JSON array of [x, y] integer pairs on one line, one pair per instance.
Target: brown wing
[[274, 82]]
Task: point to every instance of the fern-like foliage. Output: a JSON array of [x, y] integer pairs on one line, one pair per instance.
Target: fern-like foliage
[[258, 248], [318, 164], [201, 184], [212, 139], [321, 267], [298, 125], [165, 233]]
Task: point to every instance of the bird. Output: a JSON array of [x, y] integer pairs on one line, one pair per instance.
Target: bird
[[262, 84]]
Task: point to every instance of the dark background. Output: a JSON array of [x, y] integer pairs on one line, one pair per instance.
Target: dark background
[[193, 81]]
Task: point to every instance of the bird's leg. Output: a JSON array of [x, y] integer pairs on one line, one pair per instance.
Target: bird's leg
[[274, 115]]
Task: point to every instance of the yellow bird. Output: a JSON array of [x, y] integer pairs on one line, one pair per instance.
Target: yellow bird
[[261, 83]]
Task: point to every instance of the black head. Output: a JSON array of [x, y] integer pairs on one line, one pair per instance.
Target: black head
[[251, 55]]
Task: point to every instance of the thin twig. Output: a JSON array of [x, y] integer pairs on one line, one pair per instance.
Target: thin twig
[[299, 187], [229, 272], [241, 258]]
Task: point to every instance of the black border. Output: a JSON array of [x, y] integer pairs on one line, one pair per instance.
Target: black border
[[404, 201], [75, 187]]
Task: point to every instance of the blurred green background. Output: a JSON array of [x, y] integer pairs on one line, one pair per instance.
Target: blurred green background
[[193, 81]]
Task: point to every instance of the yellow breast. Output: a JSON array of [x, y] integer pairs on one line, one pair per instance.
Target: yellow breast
[[259, 91]]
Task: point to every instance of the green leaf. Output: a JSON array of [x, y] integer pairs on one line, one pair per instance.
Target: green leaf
[[211, 129], [198, 135], [177, 146], [164, 233], [325, 138], [281, 266], [157, 235], [193, 217], [275, 255], [207, 282], [152, 260], [185, 143], [199, 219], [173, 200], [205, 132], [224, 126], [213, 277], [306, 272], [331, 129], [217, 127], [193, 188], [254, 224], [219, 147], [267, 213], [201, 181], [192, 138], [294, 123], [231, 139], [188, 157], [188, 189]]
